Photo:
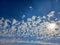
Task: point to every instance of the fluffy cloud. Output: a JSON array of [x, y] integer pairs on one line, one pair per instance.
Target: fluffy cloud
[[33, 27]]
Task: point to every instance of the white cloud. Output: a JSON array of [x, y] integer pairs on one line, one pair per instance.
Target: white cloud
[[3, 41], [30, 7], [33, 17], [32, 27], [14, 21], [51, 14], [23, 16], [44, 17], [29, 19]]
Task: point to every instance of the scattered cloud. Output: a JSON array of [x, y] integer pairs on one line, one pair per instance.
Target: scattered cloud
[[33, 27]]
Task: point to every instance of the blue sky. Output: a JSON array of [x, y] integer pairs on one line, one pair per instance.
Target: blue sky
[[19, 11], [18, 8]]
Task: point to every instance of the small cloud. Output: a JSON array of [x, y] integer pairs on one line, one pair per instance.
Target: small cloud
[[51, 14], [14, 21], [23, 16], [30, 7], [56, 19], [33, 17], [44, 17], [29, 19]]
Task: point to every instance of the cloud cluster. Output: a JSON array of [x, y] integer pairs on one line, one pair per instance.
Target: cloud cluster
[[34, 27]]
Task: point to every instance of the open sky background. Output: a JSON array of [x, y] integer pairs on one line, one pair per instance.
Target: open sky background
[[10, 9], [17, 8]]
